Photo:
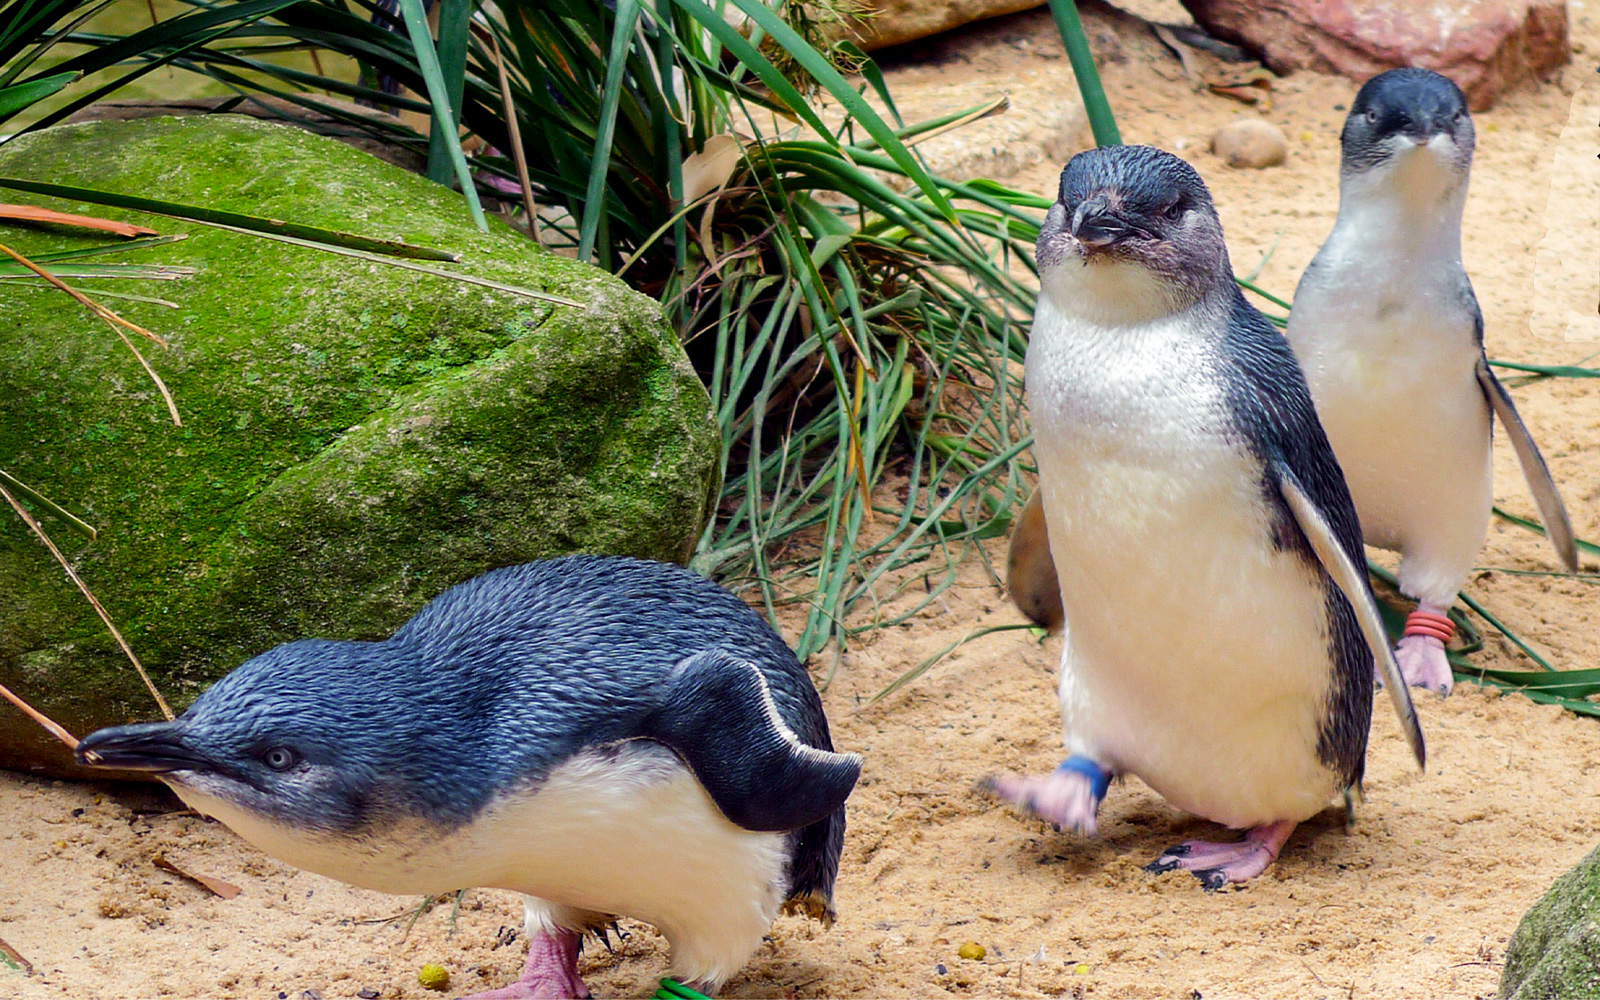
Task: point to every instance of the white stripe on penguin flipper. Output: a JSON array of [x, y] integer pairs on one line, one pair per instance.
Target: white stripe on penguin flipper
[[1551, 510], [805, 750], [1354, 586]]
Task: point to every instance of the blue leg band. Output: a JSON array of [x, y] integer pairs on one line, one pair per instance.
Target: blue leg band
[[1099, 777]]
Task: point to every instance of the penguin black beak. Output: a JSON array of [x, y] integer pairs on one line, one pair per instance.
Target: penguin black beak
[[1420, 131], [158, 747], [1096, 224], [1422, 126]]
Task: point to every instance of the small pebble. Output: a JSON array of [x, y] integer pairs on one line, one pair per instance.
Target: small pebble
[[433, 977], [972, 951], [1250, 142], [368, 994], [940, 969]]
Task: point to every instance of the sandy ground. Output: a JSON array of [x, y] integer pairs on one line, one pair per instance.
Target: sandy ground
[[1417, 898]]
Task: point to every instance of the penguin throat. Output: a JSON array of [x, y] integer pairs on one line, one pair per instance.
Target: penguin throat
[[1412, 200], [1112, 291]]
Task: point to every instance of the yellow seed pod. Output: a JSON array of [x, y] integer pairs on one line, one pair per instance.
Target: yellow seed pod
[[434, 977], [972, 951]]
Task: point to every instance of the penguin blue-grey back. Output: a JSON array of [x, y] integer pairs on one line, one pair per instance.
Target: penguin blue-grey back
[[1390, 337], [1219, 637], [522, 731]]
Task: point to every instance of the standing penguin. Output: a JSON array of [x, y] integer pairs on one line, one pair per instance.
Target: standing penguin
[[1219, 633], [610, 737], [1389, 334]]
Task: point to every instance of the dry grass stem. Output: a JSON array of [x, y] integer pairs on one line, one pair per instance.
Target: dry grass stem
[[48, 724], [116, 323], [33, 213], [518, 157], [28, 519], [16, 956]]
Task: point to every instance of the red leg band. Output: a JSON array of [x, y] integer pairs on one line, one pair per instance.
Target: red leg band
[[1428, 623]]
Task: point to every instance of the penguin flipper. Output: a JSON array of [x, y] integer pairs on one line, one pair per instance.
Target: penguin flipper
[[1353, 584], [716, 713], [1551, 510], [1031, 570]]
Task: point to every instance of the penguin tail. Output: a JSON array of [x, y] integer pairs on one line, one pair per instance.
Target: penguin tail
[[716, 713], [811, 904]]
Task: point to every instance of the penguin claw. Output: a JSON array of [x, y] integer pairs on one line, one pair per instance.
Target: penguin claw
[[1216, 865], [1211, 879]]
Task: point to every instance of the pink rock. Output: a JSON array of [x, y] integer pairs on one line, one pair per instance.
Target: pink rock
[[1485, 46]]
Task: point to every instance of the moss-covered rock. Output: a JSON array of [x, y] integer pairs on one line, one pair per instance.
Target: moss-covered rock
[[1555, 951], [356, 437]]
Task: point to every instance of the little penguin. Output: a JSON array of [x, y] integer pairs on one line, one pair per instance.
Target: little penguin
[[1389, 334], [1219, 630], [609, 736]]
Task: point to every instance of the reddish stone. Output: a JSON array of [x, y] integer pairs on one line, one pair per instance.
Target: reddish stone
[[1485, 46]]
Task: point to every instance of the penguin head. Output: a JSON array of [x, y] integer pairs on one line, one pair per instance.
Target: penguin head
[[1133, 235], [303, 737], [1409, 121]]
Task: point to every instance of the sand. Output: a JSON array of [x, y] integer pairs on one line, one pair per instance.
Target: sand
[[1417, 897]]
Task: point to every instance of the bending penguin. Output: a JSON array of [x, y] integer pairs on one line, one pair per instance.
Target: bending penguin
[[1389, 334], [1220, 633], [610, 737]]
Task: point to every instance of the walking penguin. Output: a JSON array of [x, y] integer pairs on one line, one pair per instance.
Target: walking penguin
[[1219, 630], [610, 737], [1389, 334]]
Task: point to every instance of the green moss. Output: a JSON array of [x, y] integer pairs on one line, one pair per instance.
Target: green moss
[[1555, 951], [356, 437]]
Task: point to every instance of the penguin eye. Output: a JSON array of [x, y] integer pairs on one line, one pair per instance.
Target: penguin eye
[[280, 758], [1372, 116], [1175, 210], [1456, 118]]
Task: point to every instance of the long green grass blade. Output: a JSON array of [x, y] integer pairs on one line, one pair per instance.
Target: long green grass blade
[[455, 18], [233, 220], [1101, 121], [1556, 371], [65, 516], [594, 200], [21, 95], [439, 97], [930, 662], [390, 261], [1538, 529], [837, 87], [137, 272]]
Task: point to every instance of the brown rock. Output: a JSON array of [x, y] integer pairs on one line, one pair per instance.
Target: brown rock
[[1250, 142], [893, 22], [1485, 46]]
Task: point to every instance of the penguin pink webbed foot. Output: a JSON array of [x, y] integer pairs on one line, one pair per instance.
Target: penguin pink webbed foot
[[1423, 663], [1216, 865], [1420, 652], [1068, 797], [550, 972]]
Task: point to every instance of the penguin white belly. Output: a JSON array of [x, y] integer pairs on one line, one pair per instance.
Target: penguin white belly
[[624, 830], [1196, 652], [1393, 378]]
